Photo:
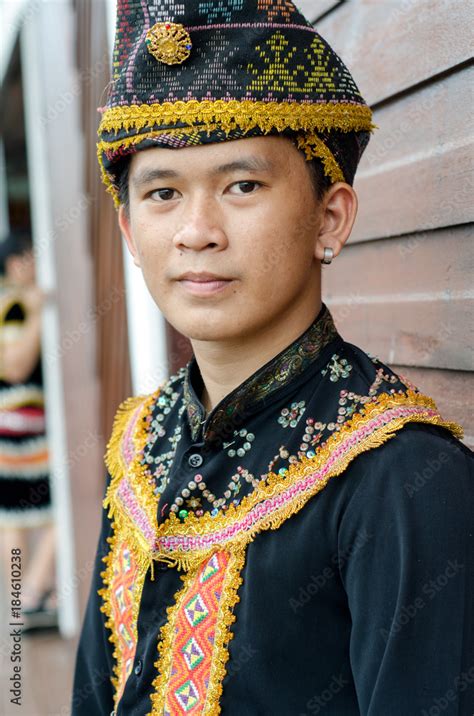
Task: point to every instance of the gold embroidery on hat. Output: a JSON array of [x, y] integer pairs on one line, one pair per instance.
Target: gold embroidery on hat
[[314, 147], [169, 42], [305, 118]]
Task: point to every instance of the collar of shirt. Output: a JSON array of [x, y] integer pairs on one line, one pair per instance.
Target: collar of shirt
[[292, 364]]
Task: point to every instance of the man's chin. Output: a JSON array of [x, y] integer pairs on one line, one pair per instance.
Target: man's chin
[[203, 328]]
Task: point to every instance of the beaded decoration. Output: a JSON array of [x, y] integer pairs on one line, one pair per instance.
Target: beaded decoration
[[288, 364], [204, 546]]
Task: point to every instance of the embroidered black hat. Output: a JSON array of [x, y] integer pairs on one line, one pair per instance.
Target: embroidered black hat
[[188, 73]]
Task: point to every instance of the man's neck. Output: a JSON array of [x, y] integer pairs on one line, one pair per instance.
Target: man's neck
[[224, 366]]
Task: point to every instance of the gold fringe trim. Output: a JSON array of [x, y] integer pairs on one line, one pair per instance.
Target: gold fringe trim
[[113, 455], [116, 541], [125, 531], [245, 114], [208, 115], [272, 486], [117, 469], [314, 147], [107, 578], [223, 635], [276, 484]]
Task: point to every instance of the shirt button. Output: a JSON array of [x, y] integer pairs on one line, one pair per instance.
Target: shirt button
[[195, 460], [138, 668]]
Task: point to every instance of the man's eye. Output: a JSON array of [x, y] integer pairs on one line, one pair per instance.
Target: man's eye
[[162, 194], [245, 187]]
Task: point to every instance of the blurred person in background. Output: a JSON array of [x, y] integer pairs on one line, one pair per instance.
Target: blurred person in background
[[25, 496]]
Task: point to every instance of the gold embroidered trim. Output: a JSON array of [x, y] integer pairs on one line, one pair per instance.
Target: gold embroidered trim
[[113, 456], [274, 483], [117, 469], [314, 147], [116, 541], [208, 115], [106, 608], [125, 530], [220, 655], [245, 114]]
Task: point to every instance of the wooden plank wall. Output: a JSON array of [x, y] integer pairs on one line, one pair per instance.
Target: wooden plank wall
[[113, 364], [402, 287]]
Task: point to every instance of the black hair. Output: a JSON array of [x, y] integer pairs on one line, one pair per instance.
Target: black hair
[[16, 243], [321, 182]]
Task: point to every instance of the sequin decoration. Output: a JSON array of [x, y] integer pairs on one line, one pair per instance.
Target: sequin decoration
[[157, 467], [338, 368], [247, 438], [290, 417], [169, 42], [281, 370]]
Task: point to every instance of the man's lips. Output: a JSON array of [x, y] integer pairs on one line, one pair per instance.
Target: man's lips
[[204, 285], [202, 276]]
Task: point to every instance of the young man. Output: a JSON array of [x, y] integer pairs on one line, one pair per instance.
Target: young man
[[288, 523]]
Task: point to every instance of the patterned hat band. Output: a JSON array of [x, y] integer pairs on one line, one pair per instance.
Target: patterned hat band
[[338, 151]]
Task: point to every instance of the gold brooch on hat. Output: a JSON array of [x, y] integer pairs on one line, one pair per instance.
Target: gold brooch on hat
[[169, 42]]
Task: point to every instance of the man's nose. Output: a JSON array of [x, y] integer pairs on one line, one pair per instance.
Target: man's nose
[[202, 226]]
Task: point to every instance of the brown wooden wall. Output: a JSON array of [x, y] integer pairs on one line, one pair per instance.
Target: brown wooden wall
[[113, 365], [402, 287]]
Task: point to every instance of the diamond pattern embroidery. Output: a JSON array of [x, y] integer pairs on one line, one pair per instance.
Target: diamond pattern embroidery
[[210, 569], [121, 602], [194, 639], [196, 610], [193, 654], [187, 695]]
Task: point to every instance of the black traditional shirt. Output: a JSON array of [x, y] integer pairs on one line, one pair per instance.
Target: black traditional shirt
[[306, 548]]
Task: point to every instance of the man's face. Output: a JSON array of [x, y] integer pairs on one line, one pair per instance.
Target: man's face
[[244, 211]]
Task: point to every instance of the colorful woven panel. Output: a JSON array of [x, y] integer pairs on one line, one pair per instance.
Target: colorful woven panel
[[122, 611], [195, 629]]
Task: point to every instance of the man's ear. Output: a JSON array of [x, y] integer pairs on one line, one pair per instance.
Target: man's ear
[[124, 224], [339, 210]]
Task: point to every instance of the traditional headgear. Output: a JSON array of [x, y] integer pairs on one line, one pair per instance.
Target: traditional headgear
[[187, 73]]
